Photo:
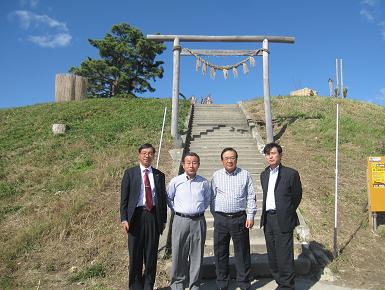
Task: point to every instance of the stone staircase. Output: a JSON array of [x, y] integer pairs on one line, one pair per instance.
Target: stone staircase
[[215, 127]]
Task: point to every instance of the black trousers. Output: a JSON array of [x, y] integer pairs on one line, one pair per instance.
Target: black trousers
[[143, 241], [280, 253], [224, 229]]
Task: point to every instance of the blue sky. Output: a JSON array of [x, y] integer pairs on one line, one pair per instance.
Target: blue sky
[[41, 38]]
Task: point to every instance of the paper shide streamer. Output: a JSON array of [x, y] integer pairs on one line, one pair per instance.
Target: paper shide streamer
[[204, 64]]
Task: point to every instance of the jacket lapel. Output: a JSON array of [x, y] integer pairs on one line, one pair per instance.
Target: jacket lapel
[[265, 181], [278, 177], [136, 184]]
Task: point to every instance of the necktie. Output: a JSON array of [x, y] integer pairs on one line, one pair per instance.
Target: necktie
[[147, 190]]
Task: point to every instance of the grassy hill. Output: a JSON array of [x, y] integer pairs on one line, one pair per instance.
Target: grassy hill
[[305, 126], [59, 195]]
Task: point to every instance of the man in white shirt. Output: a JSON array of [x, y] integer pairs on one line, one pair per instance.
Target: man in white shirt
[[143, 214], [282, 193]]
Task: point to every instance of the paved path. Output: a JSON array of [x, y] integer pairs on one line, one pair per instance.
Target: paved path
[[268, 284]]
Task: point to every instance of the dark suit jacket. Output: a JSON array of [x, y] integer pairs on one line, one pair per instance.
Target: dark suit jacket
[[288, 194], [130, 190]]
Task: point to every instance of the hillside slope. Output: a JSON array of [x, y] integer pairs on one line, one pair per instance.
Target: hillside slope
[[305, 126], [59, 195]]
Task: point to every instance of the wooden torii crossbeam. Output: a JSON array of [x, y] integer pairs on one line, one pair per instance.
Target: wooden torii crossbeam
[[178, 51]]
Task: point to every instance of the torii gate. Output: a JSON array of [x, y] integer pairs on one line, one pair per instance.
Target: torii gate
[[203, 38]]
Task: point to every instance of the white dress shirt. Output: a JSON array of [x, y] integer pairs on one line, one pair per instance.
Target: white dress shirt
[[270, 199], [142, 195]]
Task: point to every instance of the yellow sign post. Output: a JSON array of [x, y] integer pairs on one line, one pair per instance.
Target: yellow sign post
[[376, 187]]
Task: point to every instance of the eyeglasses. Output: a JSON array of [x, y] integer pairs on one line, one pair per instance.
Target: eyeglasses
[[230, 158], [193, 163]]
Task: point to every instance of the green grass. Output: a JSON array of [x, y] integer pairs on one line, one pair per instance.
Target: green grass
[[6, 282], [92, 271], [47, 181]]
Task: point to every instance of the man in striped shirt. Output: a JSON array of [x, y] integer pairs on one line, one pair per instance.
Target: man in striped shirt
[[233, 206]]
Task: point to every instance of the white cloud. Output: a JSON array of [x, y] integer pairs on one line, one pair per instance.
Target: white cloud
[[367, 15], [370, 2], [27, 19], [45, 30], [51, 41]]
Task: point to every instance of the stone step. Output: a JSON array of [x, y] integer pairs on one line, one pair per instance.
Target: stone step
[[225, 138], [242, 164], [220, 119], [208, 131], [215, 127], [250, 152], [259, 266], [216, 106], [241, 143], [219, 147], [251, 170], [218, 129], [226, 135]]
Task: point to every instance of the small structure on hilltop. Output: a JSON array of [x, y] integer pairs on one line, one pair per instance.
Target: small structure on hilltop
[[304, 92], [70, 87]]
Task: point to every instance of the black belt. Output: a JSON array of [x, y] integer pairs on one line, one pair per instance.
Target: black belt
[[190, 216], [271, 211], [145, 208], [232, 214]]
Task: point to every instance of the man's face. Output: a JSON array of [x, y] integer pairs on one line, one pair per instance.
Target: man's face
[[273, 157], [229, 161], [190, 166], [146, 156]]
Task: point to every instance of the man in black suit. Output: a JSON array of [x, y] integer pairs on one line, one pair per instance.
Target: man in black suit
[[143, 214], [282, 193]]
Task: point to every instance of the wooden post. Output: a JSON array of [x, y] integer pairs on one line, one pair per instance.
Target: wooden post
[[81, 84], [69, 87], [64, 87], [175, 89], [266, 92]]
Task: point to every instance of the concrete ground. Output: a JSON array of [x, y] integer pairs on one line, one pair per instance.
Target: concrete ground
[[268, 284]]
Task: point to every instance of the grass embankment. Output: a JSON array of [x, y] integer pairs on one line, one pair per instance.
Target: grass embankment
[[305, 127], [59, 194]]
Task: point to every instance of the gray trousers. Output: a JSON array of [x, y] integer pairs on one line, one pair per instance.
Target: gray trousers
[[187, 245]]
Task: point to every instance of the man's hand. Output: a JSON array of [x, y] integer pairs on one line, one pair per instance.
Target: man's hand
[[125, 227], [249, 224]]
